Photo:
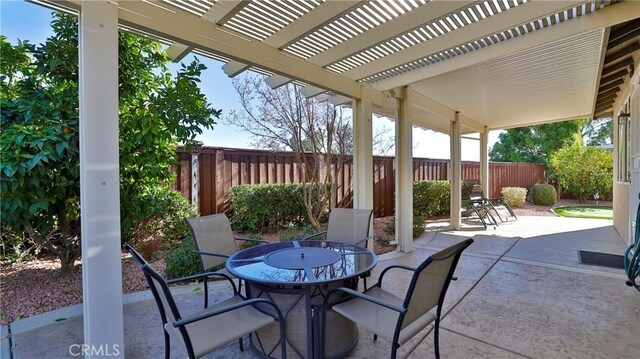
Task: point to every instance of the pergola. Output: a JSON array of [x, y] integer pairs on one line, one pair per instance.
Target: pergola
[[456, 67]]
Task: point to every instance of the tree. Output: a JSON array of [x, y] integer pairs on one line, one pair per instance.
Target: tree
[[39, 140], [534, 144], [317, 132], [583, 170], [598, 131]]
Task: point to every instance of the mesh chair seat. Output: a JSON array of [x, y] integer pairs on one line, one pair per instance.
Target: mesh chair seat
[[379, 319], [208, 334]]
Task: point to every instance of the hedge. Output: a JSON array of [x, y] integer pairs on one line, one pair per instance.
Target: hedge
[[256, 207], [431, 198]]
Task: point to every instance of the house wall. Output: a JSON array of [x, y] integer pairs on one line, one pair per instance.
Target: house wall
[[625, 194]]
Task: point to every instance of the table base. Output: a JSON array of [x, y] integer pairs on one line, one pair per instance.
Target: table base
[[295, 304]]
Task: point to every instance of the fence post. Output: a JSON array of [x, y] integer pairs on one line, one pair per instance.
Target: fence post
[[195, 177]]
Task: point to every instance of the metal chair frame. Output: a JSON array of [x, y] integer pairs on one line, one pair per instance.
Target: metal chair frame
[[181, 322]]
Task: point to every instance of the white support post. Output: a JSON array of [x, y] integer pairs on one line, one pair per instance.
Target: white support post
[[404, 173], [363, 153], [456, 171], [484, 162], [99, 180]]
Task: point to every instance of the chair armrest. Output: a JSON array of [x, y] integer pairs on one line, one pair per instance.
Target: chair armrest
[[473, 201], [195, 318], [251, 240], [191, 278], [366, 297], [364, 240], [211, 254], [313, 235], [384, 271]]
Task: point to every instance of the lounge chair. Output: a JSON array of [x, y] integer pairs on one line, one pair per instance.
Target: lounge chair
[[498, 205]]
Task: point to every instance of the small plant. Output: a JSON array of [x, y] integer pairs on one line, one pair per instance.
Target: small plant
[[181, 261], [514, 196], [294, 233], [543, 194], [418, 226], [390, 228]]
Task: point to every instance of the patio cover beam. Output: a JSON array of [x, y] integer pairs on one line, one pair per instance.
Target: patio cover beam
[[609, 16], [178, 51], [309, 22], [414, 18], [99, 179], [196, 32], [521, 14]]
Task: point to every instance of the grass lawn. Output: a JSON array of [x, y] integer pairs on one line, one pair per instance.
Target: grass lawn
[[601, 212]]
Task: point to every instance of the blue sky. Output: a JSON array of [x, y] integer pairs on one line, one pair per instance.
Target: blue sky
[[26, 21]]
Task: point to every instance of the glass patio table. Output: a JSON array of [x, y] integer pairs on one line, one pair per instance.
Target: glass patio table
[[296, 275]]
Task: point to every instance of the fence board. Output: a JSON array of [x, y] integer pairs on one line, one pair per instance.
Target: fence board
[[222, 168]]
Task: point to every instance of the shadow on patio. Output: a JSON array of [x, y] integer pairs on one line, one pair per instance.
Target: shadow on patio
[[521, 293]]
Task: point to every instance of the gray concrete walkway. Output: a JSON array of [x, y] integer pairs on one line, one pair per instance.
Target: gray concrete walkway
[[521, 293]]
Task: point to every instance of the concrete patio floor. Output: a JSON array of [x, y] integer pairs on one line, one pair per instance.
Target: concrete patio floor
[[521, 293]]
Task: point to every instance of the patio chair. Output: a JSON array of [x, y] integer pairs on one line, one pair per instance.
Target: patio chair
[[214, 244], [348, 225], [399, 319], [498, 205], [208, 329]]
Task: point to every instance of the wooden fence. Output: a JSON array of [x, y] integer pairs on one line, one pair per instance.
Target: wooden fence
[[221, 168]]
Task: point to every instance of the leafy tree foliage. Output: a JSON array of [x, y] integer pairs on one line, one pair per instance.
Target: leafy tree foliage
[[584, 170], [39, 140], [599, 131], [534, 144]]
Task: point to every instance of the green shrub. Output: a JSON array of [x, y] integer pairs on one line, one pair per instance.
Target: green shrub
[[543, 194], [16, 246], [418, 228], [514, 196], [584, 171], [418, 225], [431, 198], [181, 261], [256, 207], [164, 226]]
